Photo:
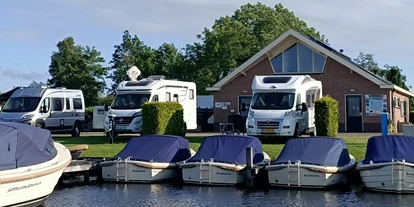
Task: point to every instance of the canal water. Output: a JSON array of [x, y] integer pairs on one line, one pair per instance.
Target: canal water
[[153, 195]]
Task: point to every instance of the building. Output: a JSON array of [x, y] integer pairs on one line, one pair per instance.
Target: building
[[361, 94]]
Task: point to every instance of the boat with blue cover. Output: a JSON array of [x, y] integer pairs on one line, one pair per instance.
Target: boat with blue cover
[[388, 164], [31, 164], [221, 160], [147, 159], [315, 162]]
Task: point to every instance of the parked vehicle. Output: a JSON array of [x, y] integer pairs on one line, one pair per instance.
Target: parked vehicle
[[56, 109], [283, 105], [130, 95]]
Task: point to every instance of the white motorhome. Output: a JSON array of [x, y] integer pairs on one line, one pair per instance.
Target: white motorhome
[[283, 105], [130, 95], [55, 109]]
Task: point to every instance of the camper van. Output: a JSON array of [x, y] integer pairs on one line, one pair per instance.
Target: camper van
[[130, 95], [283, 105], [56, 109]]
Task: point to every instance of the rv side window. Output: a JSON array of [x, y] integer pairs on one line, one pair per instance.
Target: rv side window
[[46, 104], [77, 103], [191, 94], [57, 104], [154, 98], [67, 104], [168, 96], [175, 98]]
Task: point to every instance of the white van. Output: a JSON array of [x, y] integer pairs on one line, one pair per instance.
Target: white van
[[55, 109], [283, 105], [130, 95]]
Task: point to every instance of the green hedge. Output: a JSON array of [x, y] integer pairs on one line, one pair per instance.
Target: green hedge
[[326, 116], [163, 118], [89, 111]]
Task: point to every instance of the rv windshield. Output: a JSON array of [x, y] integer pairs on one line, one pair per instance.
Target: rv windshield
[[273, 101], [21, 104], [130, 101]]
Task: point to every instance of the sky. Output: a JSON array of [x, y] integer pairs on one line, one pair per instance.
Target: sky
[[30, 30]]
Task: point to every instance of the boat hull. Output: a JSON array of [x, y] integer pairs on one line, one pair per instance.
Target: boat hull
[[214, 173], [30, 186], [308, 176], [397, 177], [138, 171]]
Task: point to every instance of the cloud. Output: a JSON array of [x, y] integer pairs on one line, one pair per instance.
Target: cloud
[[24, 75]]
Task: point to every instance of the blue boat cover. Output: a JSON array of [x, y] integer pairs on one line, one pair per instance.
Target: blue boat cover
[[22, 145], [158, 148], [228, 149], [321, 151], [385, 148]]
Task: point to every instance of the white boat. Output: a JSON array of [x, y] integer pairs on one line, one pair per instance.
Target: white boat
[[148, 159], [388, 164], [313, 162], [31, 164], [221, 160]]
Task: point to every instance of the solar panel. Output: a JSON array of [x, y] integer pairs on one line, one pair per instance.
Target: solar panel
[[138, 83], [276, 79]]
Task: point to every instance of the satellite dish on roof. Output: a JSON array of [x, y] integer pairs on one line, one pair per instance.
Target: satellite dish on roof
[[133, 73]]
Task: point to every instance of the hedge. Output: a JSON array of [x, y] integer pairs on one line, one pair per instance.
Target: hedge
[[326, 116], [163, 118]]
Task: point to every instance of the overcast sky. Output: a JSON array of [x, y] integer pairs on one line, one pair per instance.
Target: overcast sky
[[29, 30]]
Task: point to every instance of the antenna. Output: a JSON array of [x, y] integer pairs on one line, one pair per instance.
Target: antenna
[[133, 73]]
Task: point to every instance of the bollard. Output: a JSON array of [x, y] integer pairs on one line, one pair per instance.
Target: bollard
[[384, 124], [249, 167]]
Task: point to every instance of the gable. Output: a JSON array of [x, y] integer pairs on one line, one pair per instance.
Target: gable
[[298, 58]]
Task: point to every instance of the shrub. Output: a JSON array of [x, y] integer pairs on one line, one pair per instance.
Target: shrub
[[163, 118], [326, 116], [89, 111]]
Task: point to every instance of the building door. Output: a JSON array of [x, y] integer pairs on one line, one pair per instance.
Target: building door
[[244, 101], [353, 113]]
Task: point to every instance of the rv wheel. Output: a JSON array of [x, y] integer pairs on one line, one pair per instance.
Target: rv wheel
[[38, 125], [76, 130]]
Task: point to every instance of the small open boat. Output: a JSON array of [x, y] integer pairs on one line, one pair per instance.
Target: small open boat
[[388, 164], [31, 164], [315, 162], [148, 158], [221, 160]]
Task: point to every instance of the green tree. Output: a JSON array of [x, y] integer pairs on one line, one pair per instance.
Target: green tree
[[131, 52], [368, 62], [234, 39], [77, 67], [168, 61]]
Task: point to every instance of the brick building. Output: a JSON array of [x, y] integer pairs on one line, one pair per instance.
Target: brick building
[[360, 93]]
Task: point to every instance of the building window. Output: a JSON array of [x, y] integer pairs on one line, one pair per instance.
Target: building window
[[298, 59]]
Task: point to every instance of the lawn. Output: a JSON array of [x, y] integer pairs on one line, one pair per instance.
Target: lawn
[[98, 146]]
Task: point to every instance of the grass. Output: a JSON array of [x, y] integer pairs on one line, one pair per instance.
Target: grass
[[98, 146]]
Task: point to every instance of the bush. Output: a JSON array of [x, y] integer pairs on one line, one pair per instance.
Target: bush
[[326, 116], [163, 118], [89, 111]]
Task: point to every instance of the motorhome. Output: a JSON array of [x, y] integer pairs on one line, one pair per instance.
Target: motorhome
[[56, 109], [130, 95], [283, 105]]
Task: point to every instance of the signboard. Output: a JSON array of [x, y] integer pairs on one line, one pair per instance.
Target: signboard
[[375, 105]]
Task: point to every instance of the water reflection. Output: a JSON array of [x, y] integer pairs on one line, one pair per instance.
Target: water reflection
[[120, 195]]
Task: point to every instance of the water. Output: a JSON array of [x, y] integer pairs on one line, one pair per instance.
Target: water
[[120, 195]]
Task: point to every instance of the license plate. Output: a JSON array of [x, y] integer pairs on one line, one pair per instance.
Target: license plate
[[268, 131], [120, 127]]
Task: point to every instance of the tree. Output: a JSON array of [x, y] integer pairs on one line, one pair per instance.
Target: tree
[[390, 73], [131, 52], [77, 67], [234, 39], [168, 61]]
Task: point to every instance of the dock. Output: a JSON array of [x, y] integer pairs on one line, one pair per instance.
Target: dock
[[85, 166]]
